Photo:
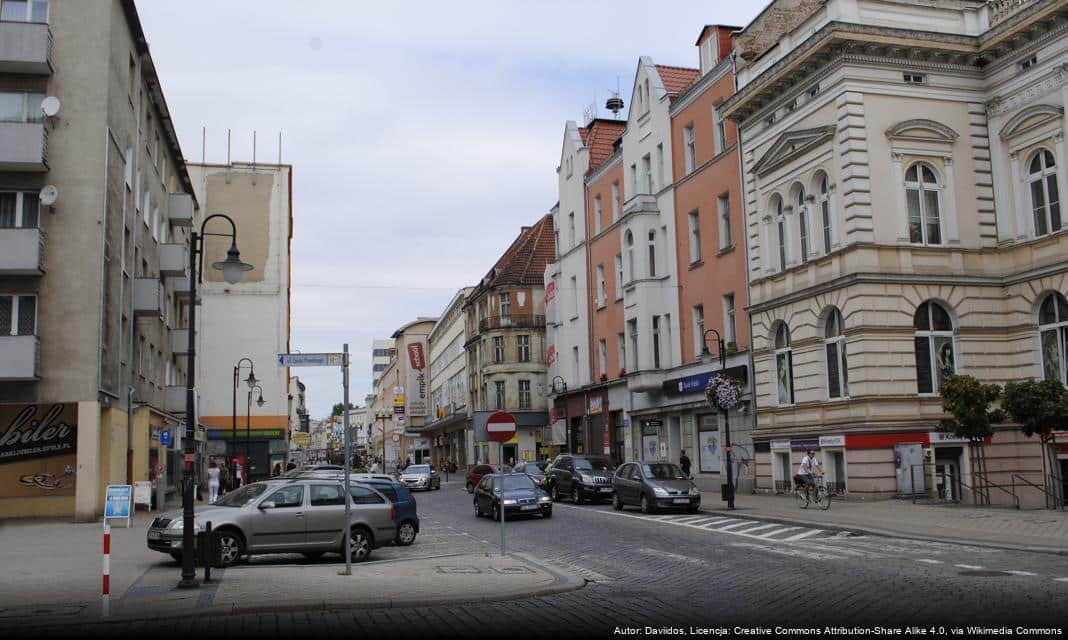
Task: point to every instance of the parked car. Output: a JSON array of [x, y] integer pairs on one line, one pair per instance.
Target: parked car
[[284, 516], [536, 470], [421, 476], [312, 468], [475, 473], [407, 512], [521, 497], [580, 477], [654, 486]]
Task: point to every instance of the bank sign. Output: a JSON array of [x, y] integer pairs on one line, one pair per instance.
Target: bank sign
[[697, 383]]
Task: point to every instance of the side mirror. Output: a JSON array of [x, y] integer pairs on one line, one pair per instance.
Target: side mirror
[[266, 505]]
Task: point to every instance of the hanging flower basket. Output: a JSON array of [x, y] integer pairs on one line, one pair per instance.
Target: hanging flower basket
[[723, 392]]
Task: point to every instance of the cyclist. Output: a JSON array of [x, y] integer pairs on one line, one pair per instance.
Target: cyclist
[[810, 468]]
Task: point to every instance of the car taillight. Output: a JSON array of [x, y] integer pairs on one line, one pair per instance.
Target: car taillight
[[392, 513]]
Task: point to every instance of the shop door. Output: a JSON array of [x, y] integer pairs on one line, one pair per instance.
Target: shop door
[[947, 473], [1064, 480], [908, 460], [836, 482], [783, 473]]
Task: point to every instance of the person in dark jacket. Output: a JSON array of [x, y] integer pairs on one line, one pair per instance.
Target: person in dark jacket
[[684, 462]]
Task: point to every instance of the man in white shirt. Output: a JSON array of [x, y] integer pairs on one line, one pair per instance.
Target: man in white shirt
[[810, 468]]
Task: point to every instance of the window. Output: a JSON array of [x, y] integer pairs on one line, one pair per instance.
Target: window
[[18, 315], [660, 165], [780, 224], [814, 90], [1045, 200], [523, 347], [498, 350], [574, 297], [824, 189], [652, 254], [327, 495], [571, 228], [619, 276], [914, 78], [499, 386], [695, 237], [648, 96], [1028, 63], [621, 351], [802, 221], [602, 357], [132, 78], [364, 495], [935, 358], [21, 107], [723, 205], [629, 241], [922, 194], [835, 346], [647, 174], [24, 10], [699, 329], [19, 210], [615, 201], [506, 305], [784, 365], [575, 363], [1052, 331], [730, 329], [770, 119], [633, 180], [656, 342], [556, 241], [719, 134], [689, 141], [289, 497], [524, 394], [632, 328], [597, 209], [600, 285]]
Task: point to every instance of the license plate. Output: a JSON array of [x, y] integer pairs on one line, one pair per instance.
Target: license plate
[[153, 535], [528, 507], [681, 501], [606, 489]]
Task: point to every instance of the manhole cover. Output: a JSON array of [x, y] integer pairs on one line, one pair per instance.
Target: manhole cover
[[985, 573]]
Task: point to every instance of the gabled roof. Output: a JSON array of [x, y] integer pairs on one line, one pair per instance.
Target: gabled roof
[[523, 263], [600, 138], [677, 79], [790, 145]]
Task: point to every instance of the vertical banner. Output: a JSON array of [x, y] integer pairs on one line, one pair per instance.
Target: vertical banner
[[416, 382], [38, 446]]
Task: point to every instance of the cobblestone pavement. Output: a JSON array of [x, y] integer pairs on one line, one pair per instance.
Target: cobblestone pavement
[[681, 571]]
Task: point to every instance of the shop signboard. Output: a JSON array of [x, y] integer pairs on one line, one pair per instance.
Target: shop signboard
[[697, 382], [939, 437], [805, 445], [165, 438], [650, 447], [831, 441], [118, 503], [780, 444], [38, 449], [416, 379], [595, 405]]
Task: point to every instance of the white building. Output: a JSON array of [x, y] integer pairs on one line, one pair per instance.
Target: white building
[[449, 426], [382, 353]]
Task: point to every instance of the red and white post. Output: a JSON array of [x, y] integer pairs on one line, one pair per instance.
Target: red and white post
[[106, 593]]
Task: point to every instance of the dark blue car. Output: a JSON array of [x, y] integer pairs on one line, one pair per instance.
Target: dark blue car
[[521, 497], [404, 501]]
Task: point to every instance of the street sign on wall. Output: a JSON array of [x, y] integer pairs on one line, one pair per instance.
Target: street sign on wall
[[500, 427], [311, 359]]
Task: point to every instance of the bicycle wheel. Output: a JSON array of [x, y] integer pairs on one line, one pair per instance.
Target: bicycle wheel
[[825, 498], [802, 498]]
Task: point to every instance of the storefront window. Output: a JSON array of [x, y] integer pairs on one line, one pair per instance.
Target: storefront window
[[709, 451]]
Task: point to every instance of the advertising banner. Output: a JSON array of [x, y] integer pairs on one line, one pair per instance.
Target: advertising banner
[[416, 383], [708, 449], [38, 444]]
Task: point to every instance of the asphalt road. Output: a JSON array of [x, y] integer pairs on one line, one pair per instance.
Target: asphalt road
[[683, 571]]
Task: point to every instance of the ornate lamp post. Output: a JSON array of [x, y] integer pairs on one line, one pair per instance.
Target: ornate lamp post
[[557, 390], [722, 393], [251, 382], [248, 426], [232, 269]]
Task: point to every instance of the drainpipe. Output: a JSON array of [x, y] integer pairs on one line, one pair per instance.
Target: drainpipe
[[133, 274]]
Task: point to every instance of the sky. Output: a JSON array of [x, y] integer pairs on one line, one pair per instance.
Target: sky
[[422, 135]]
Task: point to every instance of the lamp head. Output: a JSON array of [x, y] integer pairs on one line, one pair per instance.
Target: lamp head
[[260, 401], [251, 380], [232, 268]]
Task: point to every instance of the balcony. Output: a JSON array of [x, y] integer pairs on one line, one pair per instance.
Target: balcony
[[180, 342], [25, 47], [180, 286], [526, 321], [180, 209], [149, 297], [23, 146], [174, 399], [20, 358], [173, 260], [22, 252]]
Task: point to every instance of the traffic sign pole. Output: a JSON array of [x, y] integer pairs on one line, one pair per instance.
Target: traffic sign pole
[[348, 461], [502, 496], [500, 427]]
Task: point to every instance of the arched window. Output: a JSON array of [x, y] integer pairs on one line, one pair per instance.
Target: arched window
[[824, 199], [835, 346], [780, 228], [628, 239], [784, 365], [922, 191], [935, 357], [1045, 201], [802, 221], [652, 254], [1053, 332]]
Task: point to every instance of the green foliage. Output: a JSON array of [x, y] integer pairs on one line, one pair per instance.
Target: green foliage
[[968, 401], [336, 411], [1038, 406]]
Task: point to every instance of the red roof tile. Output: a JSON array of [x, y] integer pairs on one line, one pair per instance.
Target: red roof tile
[[523, 263], [584, 133], [601, 139], [677, 79]]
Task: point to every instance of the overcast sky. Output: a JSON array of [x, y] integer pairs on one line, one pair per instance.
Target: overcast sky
[[422, 134]]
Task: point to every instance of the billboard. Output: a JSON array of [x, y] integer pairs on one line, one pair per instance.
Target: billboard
[[416, 379], [38, 449]]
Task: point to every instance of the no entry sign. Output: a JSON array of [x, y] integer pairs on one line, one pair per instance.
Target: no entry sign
[[500, 427]]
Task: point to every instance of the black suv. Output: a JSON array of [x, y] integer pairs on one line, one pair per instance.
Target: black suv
[[580, 477]]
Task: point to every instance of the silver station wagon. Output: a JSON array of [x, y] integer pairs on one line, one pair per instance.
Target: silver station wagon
[[284, 516]]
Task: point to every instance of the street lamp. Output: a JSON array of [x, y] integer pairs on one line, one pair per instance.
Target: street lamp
[[233, 269], [248, 426], [251, 382], [557, 391], [383, 416], [720, 346]]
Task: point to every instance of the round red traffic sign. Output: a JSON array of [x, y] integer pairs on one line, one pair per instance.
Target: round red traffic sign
[[500, 427]]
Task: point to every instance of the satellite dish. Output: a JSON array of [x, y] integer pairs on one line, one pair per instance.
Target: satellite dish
[[50, 106], [49, 194]]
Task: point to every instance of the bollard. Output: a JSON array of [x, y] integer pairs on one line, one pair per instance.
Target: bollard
[[105, 604], [209, 551]]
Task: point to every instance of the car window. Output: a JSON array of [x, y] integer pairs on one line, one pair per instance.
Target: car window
[[663, 471], [487, 483], [327, 495], [623, 471], [240, 497], [518, 482], [592, 464], [541, 465], [292, 496], [483, 469], [389, 492], [634, 473], [520, 468], [418, 469], [363, 495]]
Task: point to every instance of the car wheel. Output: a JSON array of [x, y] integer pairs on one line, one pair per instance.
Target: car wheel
[[312, 555], [229, 547], [617, 502], [553, 493], [361, 544], [478, 512], [406, 533], [547, 514], [693, 508], [576, 497], [470, 488], [177, 556], [496, 513], [647, 507]]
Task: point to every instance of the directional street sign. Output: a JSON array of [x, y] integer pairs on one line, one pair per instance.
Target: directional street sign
[[311, 359], [500, 427], [300, 438]]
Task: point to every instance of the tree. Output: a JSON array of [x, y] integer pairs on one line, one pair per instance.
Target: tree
[[1040, 407], [968, 402], [336, 411]]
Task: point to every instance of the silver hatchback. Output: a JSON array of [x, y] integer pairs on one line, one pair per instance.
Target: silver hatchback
[[284, 516]]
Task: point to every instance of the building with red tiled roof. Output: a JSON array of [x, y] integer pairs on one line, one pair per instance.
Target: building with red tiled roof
[[677, 79]]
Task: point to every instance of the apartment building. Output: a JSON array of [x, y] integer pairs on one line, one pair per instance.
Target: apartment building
[[903, 225], [382, 353], [298, 406], [250, 319], [505, 346], [95, 208], [411, 389], [449, 426]]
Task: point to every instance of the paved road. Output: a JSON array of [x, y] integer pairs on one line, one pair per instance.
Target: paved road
[[701, 570]]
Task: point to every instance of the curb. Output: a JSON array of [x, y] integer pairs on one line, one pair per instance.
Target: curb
[[887, 533]]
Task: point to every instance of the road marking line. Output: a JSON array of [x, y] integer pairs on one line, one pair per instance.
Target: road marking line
[[744, 523], [687, 519], [928, 561], [970, 567], [803, 534], [749, 531], [714, 521], [1060, 579], [769, 535], [1021, 573], [789, 551], [704, 521]]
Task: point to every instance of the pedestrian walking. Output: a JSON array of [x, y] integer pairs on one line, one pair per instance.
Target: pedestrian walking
[[291, 465], [214, 475], [684, 462], [277, 469]]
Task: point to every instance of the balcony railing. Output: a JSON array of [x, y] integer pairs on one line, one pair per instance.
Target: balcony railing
[[22, 252], [1001, 10], [20, 358], [525, 321], [23, 146], [25, 47]]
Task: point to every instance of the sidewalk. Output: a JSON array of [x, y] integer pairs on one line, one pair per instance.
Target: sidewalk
[[1042, 531]]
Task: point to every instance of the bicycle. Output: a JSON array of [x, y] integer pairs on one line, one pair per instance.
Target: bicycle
[[804, 497]]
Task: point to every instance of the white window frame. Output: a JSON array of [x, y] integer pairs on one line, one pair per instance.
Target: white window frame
[[690, 142], [1060, 327], [571, 228], [719, 132], [656, 341], [506, 304], [647, 174], [632, 330], [522, 343], [783, 244], [730, 326], [784, 354], [836, 340], [621, 351], [20, 204], [574, 298], [803, 227], [27, 114], [615, 201], [694, 218], [500, 395], [29, 12], [1045, 175], [660, 165], [16, 299], [598, 209], [524, 394], [498, 349], [698, 312], [822, 189], [921, 187], [619, 276], [652, 253], [602, 357], [600, 286], [931, 335], [628, 242], [723, 208]]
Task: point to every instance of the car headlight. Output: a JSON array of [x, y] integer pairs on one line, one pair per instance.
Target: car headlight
[[694, 491], [660, 493], [545, 499], [509, 501], [178, 524]]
